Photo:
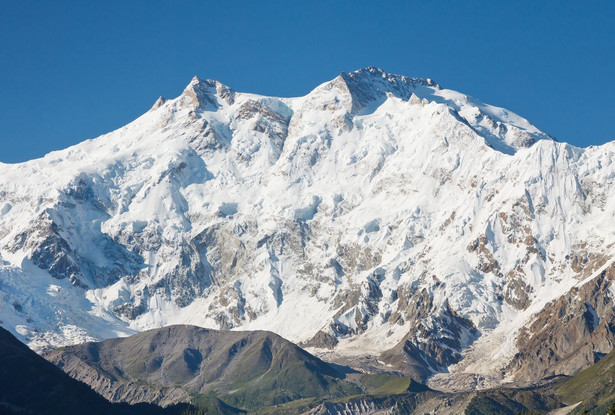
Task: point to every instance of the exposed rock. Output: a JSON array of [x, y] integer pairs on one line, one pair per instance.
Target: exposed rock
[[433, 343], [570, 333]]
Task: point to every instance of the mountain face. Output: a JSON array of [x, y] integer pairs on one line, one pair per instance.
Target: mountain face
[[379, 217]]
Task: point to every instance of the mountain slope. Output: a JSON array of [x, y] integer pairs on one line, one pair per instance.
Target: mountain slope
[[176, 363], [379, 216], [594, 387], [30, 384]]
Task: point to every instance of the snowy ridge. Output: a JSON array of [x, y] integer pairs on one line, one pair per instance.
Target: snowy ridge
[[377, 210]]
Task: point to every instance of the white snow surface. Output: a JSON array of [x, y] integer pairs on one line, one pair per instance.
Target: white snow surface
[[370, 177]]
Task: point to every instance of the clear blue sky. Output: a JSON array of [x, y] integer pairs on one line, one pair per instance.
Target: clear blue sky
[[72, 70]]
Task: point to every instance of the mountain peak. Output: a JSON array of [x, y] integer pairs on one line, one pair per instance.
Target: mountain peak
[[159, 102], [377, 75], [372, 85], [202, 92], [197, 84]]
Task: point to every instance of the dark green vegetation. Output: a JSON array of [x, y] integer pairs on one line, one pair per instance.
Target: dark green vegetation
[[31, 385], [400, 394], [512, 401], [595, 387]]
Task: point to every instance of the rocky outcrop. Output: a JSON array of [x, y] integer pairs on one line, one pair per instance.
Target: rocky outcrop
[[355, 407], [569, 334], [433, 343]]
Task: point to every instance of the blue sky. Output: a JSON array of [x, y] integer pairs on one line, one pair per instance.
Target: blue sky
[[72, 70]]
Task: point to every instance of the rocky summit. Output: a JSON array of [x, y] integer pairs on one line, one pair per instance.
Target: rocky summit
[[380, 219]]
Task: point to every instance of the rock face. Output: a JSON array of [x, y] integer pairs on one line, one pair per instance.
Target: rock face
[[569, 334], [378, 215], [168, 365], [357, 407]]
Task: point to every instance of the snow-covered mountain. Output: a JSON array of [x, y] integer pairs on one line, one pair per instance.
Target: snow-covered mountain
[[378, 216]]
